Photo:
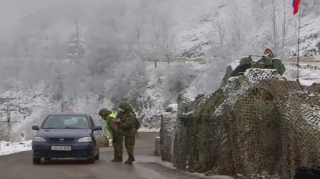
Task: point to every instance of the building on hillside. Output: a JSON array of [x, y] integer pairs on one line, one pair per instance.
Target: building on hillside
[[302, 59]]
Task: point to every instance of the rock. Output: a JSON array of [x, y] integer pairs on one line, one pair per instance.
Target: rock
[[169, 109]]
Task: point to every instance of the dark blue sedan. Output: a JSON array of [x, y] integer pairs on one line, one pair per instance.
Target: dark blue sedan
[[66, 135]]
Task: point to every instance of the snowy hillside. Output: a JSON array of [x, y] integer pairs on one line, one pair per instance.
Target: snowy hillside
[[29, 105], [34, 86]]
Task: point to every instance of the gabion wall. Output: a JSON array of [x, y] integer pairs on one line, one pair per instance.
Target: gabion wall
[[258, 125]]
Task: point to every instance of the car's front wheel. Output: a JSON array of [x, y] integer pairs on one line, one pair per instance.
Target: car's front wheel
[[92, 160], [97, 157], [36, 160]]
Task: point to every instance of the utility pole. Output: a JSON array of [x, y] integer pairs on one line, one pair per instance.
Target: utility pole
[[296, 4], [61, 104], [298, 58], [4, 135], [8, 120]]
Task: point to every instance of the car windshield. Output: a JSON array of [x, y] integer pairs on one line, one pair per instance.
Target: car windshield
[[66, 122]]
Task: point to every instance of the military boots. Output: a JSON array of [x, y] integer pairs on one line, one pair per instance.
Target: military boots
[[130, 160], [117, 159]]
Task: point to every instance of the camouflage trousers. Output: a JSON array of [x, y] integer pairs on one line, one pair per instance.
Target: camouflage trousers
[[129, 142], [118, 145]]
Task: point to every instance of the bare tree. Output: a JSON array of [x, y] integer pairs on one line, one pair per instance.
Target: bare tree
[[236, 33], [220, 29], [157, 46], [284, 25]]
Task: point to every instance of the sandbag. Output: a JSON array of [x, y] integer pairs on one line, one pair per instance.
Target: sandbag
[[104, 141]]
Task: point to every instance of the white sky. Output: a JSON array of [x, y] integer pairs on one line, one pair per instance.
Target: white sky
[[11, 11]]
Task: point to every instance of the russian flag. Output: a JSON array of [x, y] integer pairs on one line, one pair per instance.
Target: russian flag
[[295, 5]]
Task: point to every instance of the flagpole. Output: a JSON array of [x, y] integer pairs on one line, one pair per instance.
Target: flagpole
[[298, 58]]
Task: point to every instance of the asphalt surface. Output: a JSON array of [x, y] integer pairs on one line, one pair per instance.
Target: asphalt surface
[[146, 166]]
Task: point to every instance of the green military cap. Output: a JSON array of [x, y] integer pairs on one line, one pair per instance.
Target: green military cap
[[124, 105], [104, 112]]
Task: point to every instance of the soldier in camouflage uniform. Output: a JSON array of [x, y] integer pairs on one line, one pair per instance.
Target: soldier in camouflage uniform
[[128, 125], [116, 137], [268, 52]]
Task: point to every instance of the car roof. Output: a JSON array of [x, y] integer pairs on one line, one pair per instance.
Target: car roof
[[69, 113]]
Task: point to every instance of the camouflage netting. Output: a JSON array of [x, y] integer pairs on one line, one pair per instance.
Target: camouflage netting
[[259, 124], [168, 121]]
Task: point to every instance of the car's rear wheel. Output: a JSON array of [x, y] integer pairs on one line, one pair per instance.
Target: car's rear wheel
[[36, 160]]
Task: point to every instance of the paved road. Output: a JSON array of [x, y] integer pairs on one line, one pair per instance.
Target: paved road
[[19, 166]]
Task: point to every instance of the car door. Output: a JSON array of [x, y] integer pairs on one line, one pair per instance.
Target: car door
[[95, 133]]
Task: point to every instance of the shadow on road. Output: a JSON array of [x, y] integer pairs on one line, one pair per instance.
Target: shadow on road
[[66, 162]]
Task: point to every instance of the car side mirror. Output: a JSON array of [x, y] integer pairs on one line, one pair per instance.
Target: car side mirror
[[36, 128], [97, 128]]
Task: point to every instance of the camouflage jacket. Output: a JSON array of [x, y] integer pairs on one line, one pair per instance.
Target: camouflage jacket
[[128, 125]]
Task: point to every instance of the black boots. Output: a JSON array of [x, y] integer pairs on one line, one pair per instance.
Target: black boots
[[130, 160], [117, 159]]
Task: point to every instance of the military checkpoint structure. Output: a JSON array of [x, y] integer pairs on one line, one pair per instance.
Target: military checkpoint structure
[[256, 125]]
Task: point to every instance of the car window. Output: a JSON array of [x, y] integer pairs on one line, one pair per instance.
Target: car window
[[66, 122]]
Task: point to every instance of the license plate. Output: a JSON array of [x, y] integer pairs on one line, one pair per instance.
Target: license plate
[[63, 148]]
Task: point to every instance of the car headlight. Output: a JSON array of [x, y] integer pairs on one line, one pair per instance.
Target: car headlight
[[85, 139], [39, 139]]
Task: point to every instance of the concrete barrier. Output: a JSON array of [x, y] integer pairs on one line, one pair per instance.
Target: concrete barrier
[[157, 146], [23, 137]]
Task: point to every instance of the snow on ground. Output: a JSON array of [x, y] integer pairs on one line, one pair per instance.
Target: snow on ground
[[307, 82], [306, 76], [149, 130], [7, 148]]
